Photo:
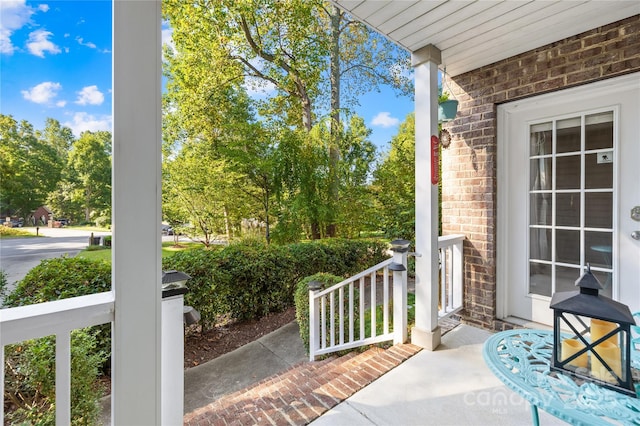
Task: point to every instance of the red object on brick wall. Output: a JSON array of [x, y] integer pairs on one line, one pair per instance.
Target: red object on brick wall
[[434, 159]]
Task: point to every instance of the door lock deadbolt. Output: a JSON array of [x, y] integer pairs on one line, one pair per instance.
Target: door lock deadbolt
[[635, 213]]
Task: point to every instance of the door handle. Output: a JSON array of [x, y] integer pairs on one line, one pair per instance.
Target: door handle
[[635, 235]]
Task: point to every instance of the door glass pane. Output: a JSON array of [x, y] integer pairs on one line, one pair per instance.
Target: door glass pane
[[539, 279], [568, 246], [568, 209], [541, 139], [598, 252], [570, 201], [540, 209], [540, 244], [598, 174], [599, 131], [605, 278], [568, 172], [598, 210], [566, 278], [541, 174], [568, 135]]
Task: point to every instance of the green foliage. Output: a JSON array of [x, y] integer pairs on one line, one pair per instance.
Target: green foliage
[[301, 299], [62, 278], [29, 168], [7, 232], [89, 173], [250, 279], [3, 285], [394, 184], [30, 380]]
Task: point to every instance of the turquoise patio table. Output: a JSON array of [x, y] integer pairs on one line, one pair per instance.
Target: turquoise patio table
[[521, 359]]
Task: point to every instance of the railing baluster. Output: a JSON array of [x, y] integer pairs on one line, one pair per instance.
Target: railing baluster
[[374, 290], [341, 314], [450, 306], [362, 336], [63, 378], [323, 322], [332, 318], [351, 313], [1, 384], [385, 313], [443, 279], [457, 260]]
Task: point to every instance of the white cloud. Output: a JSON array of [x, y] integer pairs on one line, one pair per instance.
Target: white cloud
[[39, 43], [42, 93], [88, 44], [43, 7], [13, 16], [83, 122], [167, 36], [61, 104], [90, 95], [384, 119]]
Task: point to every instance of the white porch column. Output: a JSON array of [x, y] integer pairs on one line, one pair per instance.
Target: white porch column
[[426, 332], [136, 270]]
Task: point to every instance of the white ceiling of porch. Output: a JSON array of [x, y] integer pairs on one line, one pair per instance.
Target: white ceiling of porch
[[471, 34]]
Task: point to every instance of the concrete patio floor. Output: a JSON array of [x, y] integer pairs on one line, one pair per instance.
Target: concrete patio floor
[[449, 386]]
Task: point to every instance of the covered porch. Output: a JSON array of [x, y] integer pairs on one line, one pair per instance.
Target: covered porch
[[461, 36]]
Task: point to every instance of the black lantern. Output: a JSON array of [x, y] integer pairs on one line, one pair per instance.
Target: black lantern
[[592, 339]]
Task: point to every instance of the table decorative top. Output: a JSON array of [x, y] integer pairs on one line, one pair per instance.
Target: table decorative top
[[520, 359]]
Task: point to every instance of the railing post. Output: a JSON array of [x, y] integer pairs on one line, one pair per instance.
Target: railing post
[[314, 319], [1, 383], [399, 268], [457, 256]]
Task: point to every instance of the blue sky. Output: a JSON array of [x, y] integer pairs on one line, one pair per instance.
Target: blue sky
[[55, 62]]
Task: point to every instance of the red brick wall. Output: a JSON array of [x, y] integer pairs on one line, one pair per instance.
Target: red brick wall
[[469, 165]]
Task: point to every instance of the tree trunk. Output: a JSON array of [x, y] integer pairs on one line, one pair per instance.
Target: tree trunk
[[334, 150]]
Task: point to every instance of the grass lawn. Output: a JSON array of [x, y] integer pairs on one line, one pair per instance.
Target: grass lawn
[[6, 232], [411, 316], [168, 249]]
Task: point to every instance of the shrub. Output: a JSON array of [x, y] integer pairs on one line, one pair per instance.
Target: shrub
[[30, 380], [61, 278], [7, 232], [247, 280], [3, 286], [302, 301]]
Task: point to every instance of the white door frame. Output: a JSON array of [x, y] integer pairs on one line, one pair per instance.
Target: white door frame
[[504, 246]]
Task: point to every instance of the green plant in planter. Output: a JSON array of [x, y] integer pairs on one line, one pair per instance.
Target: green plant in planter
[[447, 108]]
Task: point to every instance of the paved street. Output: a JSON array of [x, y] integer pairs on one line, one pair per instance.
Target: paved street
[[19, 255]]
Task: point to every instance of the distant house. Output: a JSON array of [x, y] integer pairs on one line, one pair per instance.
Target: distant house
[[42, 215]]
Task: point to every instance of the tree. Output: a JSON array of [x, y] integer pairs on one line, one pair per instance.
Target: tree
[[298, 51], [201, 189], [58, 137], [89, 172], [394, 184], [29, 169], [360, 60]]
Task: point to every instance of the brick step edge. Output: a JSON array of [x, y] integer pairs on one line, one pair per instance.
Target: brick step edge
[[304, 392]]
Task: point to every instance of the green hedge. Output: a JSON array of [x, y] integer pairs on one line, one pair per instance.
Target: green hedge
[[302, 301], [249, 280], [30, 383], [30, 380]]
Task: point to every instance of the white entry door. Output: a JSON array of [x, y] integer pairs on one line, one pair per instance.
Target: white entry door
[[568, 181]]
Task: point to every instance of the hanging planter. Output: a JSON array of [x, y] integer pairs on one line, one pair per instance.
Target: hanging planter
[[447, 110]]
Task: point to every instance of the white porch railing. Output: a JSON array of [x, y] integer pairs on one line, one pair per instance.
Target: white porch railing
[[451, 274], [339, 315], [57, 318]]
